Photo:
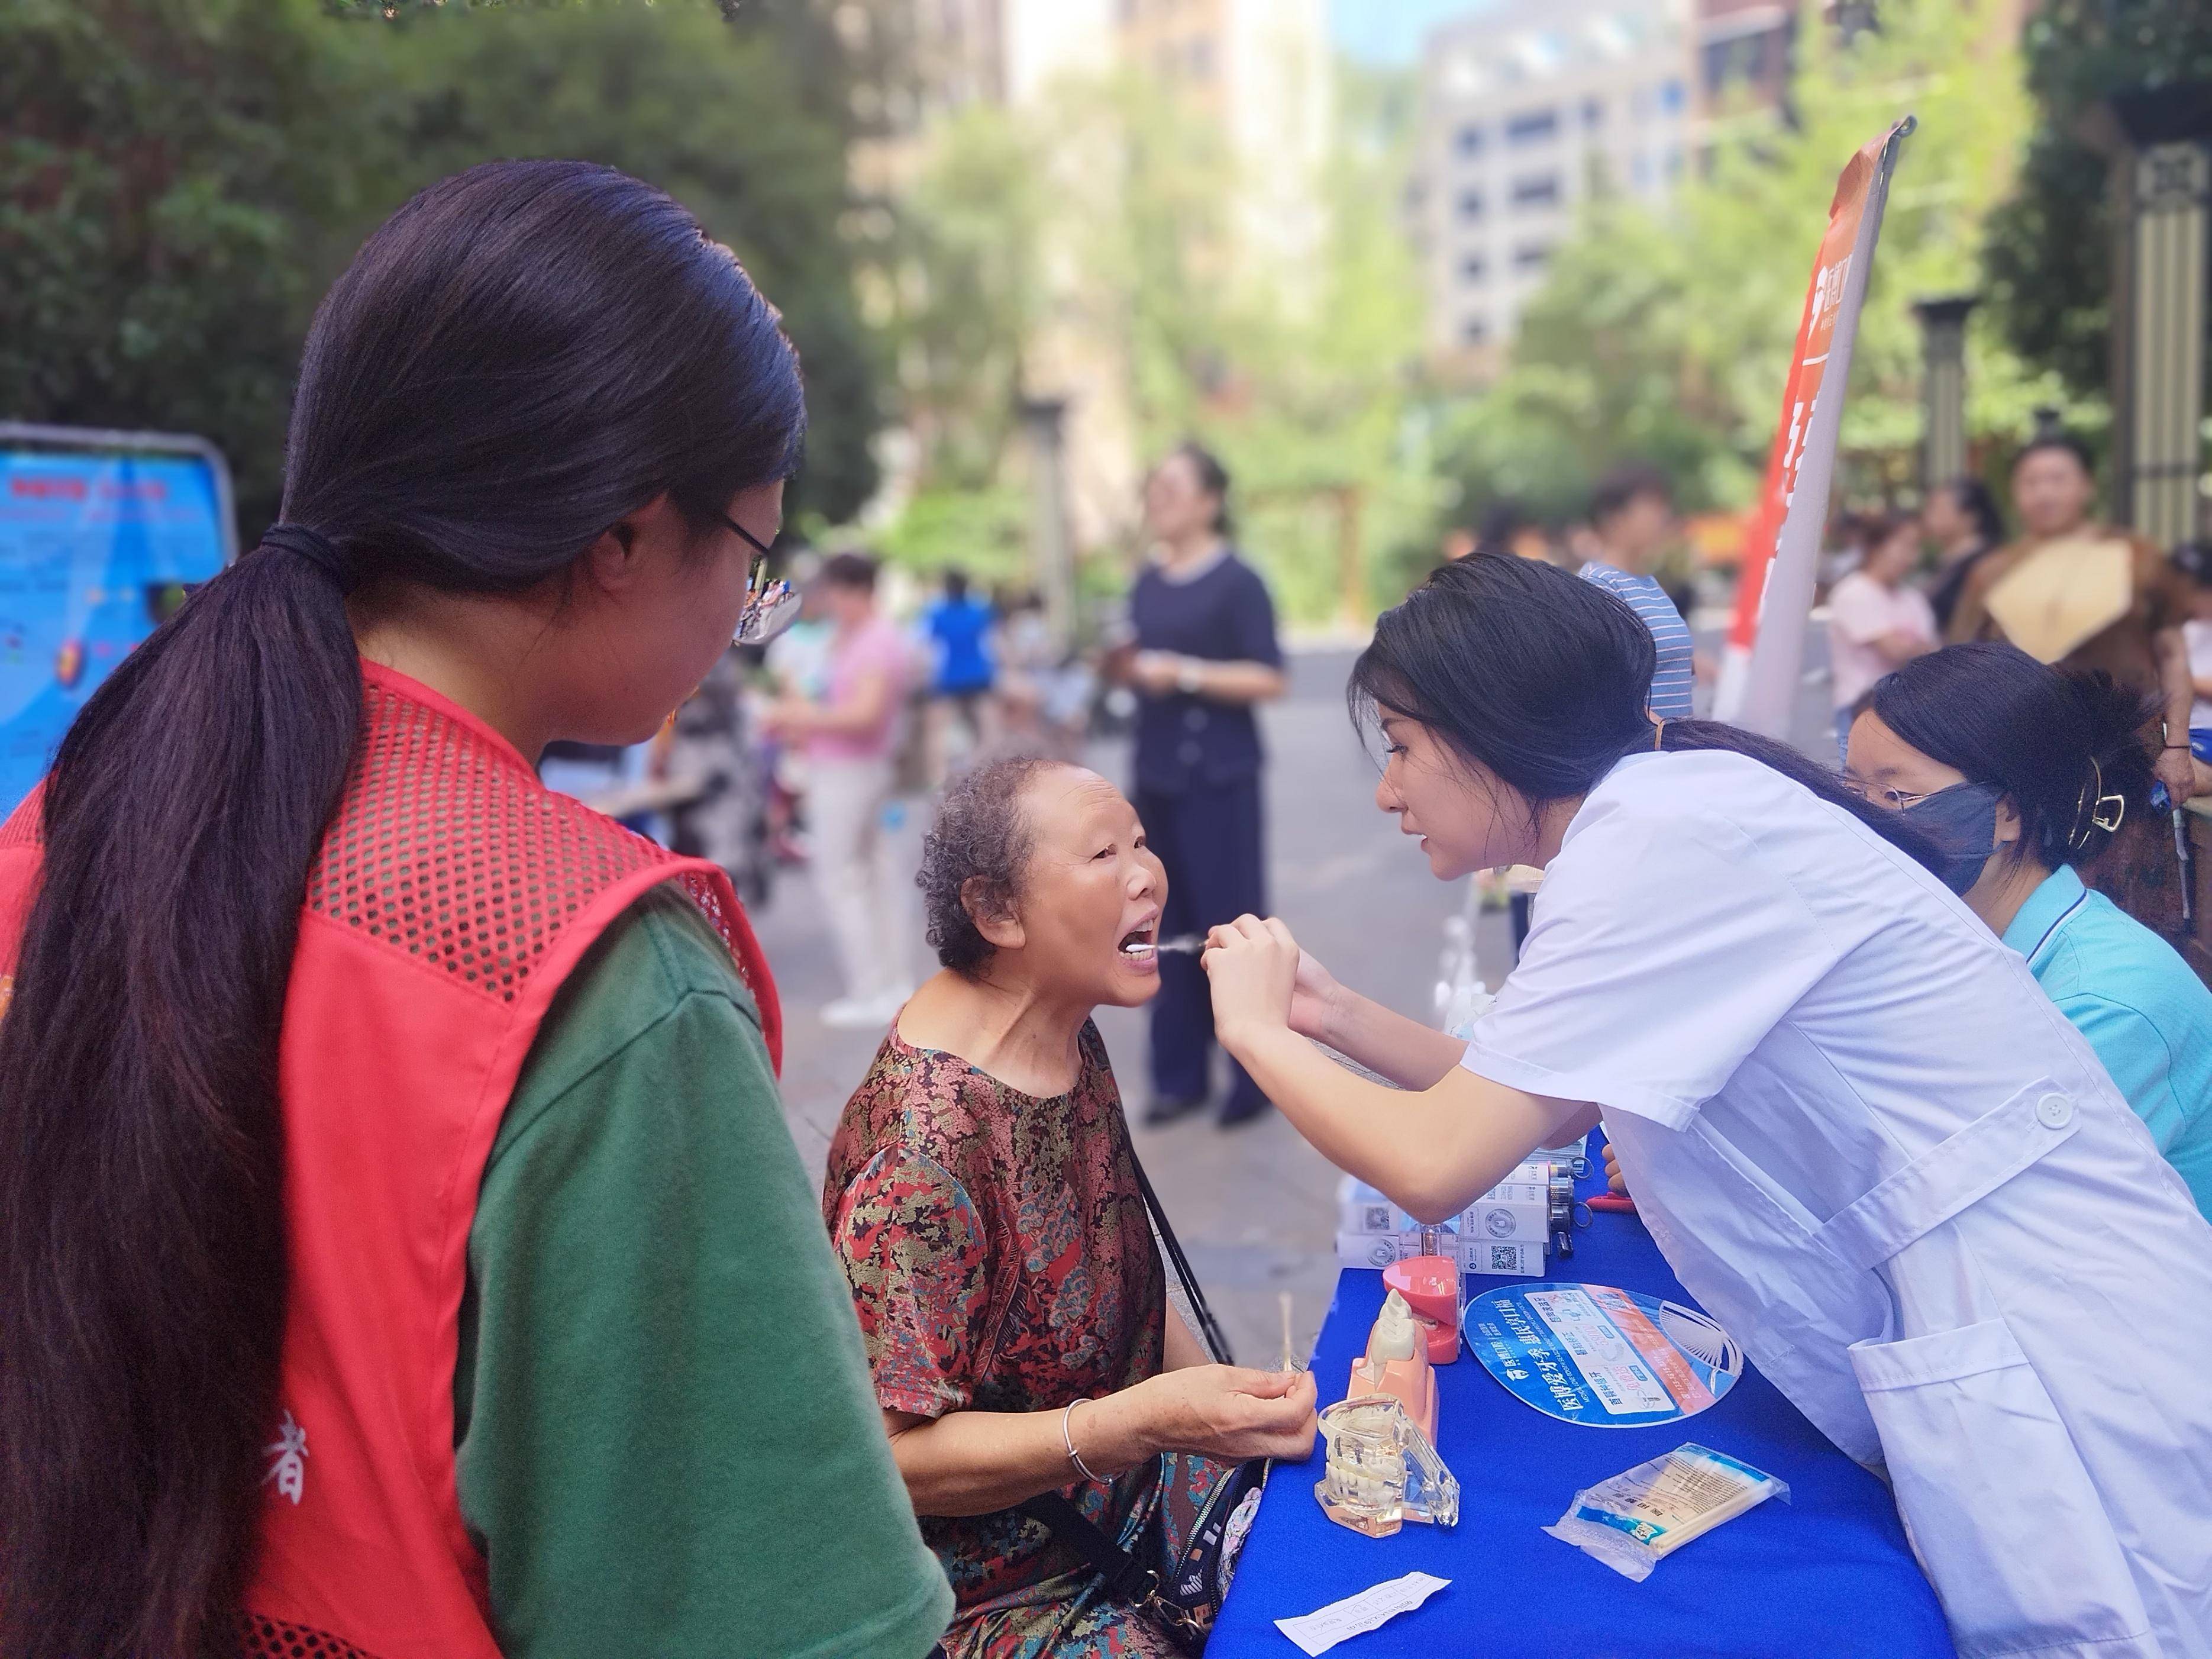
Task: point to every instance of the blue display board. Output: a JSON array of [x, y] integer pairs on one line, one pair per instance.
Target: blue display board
[[96, 549]]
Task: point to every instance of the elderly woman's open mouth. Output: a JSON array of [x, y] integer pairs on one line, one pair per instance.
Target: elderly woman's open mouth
[[1139, 946]]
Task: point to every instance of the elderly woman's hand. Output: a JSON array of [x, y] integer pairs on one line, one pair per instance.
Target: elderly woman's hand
[[1253, 967], [1229, 1412]]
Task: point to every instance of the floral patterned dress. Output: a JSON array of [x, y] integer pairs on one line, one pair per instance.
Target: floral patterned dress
[[1001, 1260]]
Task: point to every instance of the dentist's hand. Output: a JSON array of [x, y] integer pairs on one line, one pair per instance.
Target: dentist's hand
[[1315, 998], [1253, 967]]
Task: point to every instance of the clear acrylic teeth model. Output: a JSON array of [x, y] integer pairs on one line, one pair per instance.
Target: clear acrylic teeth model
[[1381, 1472]]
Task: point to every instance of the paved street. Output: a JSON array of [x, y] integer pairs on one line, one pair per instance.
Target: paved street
[[1255, 1206]]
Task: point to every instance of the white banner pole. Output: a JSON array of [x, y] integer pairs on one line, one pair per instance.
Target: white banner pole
[[1770, 685]]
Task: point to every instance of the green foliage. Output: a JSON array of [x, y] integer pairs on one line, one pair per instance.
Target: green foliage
[[983, 530], [963, 291], [2049, 256], [181, 179], [1665, 337], [171, 187], [1112, 241]]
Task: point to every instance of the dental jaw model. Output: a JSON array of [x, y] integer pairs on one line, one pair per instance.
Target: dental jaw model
[[1383, 1469], [1397, 1365]]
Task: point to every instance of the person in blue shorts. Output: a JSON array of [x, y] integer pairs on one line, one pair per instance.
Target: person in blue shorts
[[959, 624]]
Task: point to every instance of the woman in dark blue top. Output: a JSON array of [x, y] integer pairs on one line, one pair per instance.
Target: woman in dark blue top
[[1205, 654]]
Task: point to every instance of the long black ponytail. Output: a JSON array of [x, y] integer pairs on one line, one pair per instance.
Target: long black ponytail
[[521, 356], [1545, 681]]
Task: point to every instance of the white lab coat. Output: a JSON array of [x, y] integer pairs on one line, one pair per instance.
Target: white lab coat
[[1875, 1150]]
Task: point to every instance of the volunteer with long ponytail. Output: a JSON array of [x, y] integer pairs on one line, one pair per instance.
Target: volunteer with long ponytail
[[1864, 1138], [402, 1252]]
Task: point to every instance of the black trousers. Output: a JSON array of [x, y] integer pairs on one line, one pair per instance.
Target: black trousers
[[1210, 841]]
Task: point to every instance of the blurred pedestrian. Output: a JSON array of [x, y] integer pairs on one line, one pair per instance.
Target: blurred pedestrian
[[404, 1249], [1632, 518], [1505, 526], [1845, 551], [1961, 518], [2077, 595], [1876, 621], [2194, 560], [705, 752], [2022, 773], [849, 733], [1205, 655], [959, 624]]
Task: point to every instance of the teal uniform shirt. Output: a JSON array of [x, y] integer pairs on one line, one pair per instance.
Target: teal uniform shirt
[[2130, 994]]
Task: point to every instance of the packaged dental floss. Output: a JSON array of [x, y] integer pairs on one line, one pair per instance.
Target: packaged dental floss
[[1634, 1521]]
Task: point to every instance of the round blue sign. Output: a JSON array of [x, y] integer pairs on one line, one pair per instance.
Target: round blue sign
[[1594, 1355]]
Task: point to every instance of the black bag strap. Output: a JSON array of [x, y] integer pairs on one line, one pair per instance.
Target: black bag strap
[[1209, 1329], [1128, 1580]]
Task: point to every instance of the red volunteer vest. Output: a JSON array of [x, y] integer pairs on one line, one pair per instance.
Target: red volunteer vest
[[452, 896]]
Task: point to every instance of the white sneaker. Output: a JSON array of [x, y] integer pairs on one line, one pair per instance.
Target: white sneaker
[[856, 1013]]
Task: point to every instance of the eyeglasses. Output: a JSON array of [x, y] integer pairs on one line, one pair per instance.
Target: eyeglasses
[[771, 604], [1895, 799]]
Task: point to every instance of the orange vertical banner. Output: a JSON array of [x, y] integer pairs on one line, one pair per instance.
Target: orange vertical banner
[[1786, 525]]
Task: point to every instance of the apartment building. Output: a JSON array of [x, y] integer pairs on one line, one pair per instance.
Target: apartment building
[[1526, 110]]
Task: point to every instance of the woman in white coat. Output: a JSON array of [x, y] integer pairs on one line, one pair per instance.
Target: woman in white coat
[[1864, 1138]]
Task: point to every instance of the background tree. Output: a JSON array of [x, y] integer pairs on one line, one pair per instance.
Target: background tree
[[180, 180], [176, 182], [1664, 336], [2049, 254]]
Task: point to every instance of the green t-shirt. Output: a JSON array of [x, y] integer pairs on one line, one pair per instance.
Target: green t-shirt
[[667, 1441]]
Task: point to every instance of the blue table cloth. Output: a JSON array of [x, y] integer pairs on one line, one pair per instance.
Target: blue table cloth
[[1826, 1573]]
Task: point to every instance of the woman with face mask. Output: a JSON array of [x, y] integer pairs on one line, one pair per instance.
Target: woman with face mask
[[1864, 1138], [2020, 773]]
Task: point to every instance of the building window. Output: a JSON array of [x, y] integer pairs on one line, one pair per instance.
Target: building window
[[1473, 269], [1470, 205], [1201, 59], [1532, 128], [1468, 141], [1473, 331], [1643, 170], [1541, 190], [1534, 256], [1593, 112], [1672, 98]]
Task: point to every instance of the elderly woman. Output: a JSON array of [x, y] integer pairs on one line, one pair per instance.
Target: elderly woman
[[983, 1197]]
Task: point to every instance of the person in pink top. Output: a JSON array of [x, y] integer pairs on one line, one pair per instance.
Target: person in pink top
[[1876, 621], [847, 735]]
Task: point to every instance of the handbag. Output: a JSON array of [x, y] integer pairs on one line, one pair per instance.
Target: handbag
[[1178, 1567]]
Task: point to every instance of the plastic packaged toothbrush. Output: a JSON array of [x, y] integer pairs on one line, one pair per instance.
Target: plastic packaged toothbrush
[[1634, 1521]]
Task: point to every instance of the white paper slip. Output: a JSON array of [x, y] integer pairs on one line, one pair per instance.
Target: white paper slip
[[1317, 1633]]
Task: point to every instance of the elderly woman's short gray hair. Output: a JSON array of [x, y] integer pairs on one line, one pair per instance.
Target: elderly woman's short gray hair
[[982, 837]]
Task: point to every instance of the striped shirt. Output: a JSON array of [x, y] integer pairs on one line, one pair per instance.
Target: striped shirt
[[1671, 680]]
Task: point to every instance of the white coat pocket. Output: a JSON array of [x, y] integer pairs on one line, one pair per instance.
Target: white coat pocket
[[2004, 1516]]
